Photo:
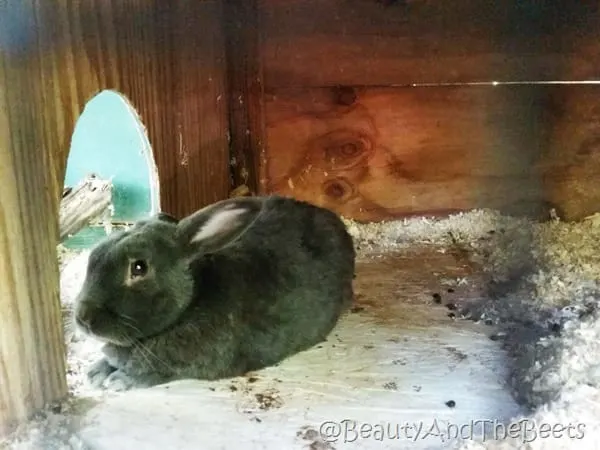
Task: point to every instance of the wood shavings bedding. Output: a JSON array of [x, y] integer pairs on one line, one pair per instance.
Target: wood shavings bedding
[[543, 286]]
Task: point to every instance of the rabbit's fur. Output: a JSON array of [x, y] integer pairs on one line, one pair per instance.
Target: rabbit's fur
[[237, 286]]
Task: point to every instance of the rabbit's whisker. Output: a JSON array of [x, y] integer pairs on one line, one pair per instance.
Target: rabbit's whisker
[[144, 348], [148, 355], [149, 365], [126, 317], [124, 339], [128, 322], [135, 344], [69, 327]]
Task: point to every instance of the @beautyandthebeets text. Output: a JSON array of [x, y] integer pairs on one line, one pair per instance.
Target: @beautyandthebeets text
[[525, 431]]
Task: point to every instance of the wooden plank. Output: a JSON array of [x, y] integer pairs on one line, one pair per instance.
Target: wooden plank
[[200, 106], [570, 166], [245, 93], [375, 43], [381, 153], [88, 201], [32, 346], [168, 60]]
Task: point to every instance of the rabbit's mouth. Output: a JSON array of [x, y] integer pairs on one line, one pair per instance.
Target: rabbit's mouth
[[106, 326], [114, 337], [118, 342]]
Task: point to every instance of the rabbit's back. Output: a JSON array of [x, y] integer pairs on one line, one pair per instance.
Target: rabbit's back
[[283, 285]]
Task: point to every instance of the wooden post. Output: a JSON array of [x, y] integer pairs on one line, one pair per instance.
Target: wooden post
[[32, 346]]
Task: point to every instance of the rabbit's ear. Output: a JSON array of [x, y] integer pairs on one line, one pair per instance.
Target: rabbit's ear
[[166, 218], [157, 218], [218, 225]]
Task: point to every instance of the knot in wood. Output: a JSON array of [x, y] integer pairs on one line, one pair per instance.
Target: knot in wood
[[338, 189], [346, 150]]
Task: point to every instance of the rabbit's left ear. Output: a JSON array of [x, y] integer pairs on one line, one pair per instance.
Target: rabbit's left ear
[[216, 226]]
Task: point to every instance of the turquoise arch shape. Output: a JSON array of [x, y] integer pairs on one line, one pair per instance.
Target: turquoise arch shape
[[110, 141]]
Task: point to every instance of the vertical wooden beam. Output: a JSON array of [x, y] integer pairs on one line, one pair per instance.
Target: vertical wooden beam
[[244, 71], [32, 347], [198, 117]]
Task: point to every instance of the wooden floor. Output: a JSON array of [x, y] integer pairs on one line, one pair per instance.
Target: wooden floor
[[398, 358]]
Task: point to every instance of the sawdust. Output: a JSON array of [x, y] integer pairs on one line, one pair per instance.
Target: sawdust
[[81, 351], [561, 259], [543, 288]]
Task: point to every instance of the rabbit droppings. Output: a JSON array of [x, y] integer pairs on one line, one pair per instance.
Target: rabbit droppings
[[237, 286]]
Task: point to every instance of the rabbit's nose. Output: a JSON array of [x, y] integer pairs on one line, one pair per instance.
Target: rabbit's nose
[[87, 316]]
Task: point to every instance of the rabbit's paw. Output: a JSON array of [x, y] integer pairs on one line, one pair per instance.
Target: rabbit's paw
[[116, 356], [99, 372], [119, 381]]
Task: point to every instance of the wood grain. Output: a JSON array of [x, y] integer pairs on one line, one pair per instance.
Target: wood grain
[[242, 30], [570, 166], [370, 43], [167, 59], [85, 203], [32, 346], [381, 153]]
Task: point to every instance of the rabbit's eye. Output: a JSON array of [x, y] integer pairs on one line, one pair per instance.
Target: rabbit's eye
[[139, 268]]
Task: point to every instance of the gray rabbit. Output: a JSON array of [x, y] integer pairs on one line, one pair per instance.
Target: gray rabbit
[[237, 286]]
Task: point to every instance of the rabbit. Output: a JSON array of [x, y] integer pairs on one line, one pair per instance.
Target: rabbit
[[235, 287]]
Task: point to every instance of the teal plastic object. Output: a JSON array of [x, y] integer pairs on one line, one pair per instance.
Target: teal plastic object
[[110, 141]]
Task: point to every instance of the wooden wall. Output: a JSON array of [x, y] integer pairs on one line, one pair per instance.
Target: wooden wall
[[376, 109], [166, 58], [382, 109]]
